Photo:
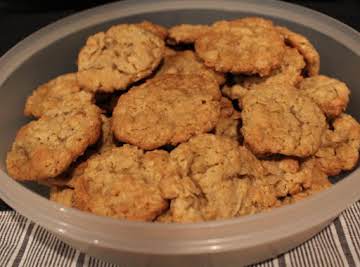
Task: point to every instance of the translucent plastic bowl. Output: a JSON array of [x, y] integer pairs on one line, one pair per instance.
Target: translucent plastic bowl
[[52, 51]]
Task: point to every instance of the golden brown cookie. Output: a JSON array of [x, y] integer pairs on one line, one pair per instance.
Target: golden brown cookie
[[62, 195], [331, 95], [289, 71], [340, 147], [278, 119], [219, 167], [186, 33], [123, 183], [156, 29], [306, 49], [186, 62], [229, 121], [45, 148], [168, 109], [234, 92], [48, 95], [319, 182], [114, 59], [247, 46]]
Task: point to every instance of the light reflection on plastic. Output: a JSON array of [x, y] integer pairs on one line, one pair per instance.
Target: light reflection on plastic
[[61, 230], [96, 241], [214, 247], [62, 209]]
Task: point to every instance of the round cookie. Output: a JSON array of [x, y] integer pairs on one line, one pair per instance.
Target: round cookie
[[45, 148], [123, 183], [306, 49], [168, 109], [156, 29], [220, 168], [331, 95], [48, 95], [114, 59], [289, 71], [339, 149], [186, 33], [278, 119], [250, 46], [186, 62]]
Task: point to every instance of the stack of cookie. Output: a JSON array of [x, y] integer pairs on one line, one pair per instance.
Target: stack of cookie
[[194, 123]]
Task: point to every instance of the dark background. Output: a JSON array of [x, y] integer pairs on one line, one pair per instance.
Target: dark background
[[19, 18]]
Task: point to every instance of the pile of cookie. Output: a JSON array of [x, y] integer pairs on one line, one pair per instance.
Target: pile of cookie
[[188, 124]]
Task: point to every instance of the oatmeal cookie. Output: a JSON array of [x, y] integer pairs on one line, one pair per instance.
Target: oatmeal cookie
[[114, 59], [234, 92], [186, 33], [219, 167], [62, 196], [279, 120], [247, 46], [340, 147], [45, 148], [289, 71], [48, 95], [331, 95], [306, 49], [123, 183], [229, 122], [156, 29], [168, 109], [186, 62]]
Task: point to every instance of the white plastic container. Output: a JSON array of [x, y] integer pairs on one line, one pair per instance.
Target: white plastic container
[[52, 51]]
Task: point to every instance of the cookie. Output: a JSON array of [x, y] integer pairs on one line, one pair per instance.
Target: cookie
[[304, 46], [229, 122], [156, 29], [45, 148], [114, 59], [319, 182], [245, 46], [168, 109], [234, 92], [123, 183], [48, 95], [62, 196], [186, 62], [289, 72], [340, 147], [220, 168], [331, 95], [278, 119], [186, 33]]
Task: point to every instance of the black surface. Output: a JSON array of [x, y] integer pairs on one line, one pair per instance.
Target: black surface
[[18, 19]]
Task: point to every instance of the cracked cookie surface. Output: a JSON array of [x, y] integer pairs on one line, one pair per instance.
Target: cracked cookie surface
[[168, 109], [48, 95], [187, 62], [123, 183], [279, 120], [331, 95], [219, 167], [339, 149], [114, 59], [304, 46], [250, 46], [46, 147]]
